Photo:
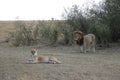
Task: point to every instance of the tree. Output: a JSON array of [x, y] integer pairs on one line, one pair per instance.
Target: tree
[[75, 18], [112, 9], [108, 13]]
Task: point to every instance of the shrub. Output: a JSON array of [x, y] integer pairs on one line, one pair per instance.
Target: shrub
[[102, 33], [23, 35], [49, 32], [67, 31], [29, 34]]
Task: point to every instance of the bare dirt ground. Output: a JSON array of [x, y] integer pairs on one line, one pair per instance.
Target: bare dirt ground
[[102, 65]]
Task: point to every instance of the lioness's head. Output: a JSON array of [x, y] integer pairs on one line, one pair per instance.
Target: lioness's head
[[34, 51]]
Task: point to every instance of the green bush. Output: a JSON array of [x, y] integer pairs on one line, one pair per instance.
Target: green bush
[[67, 31], [29, 35], [102, 33], [49, 33], [23, 35]]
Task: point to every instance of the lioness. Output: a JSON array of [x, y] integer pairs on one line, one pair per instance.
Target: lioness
[[42, 59]]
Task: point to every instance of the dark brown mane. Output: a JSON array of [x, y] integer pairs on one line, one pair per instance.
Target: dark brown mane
[[80, 40], [79, 32]]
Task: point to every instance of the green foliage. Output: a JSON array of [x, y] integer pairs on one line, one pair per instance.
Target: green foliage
[[108, 13], [23, 35], [28, 35], [112, 8], [68, 34], [75, 18], [49, 33], [54, 36], [102, 33]]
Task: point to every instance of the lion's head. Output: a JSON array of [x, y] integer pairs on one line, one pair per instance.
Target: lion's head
[[78, 37], [34, 51]]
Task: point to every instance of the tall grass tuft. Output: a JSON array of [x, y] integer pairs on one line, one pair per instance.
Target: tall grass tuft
[[23, 35]]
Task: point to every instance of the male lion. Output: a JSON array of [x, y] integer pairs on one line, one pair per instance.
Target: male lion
[[42, 59], [87, 41]]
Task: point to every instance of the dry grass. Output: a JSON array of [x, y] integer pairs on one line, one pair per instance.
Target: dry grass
[[6, 27], [9, 26], [102, 65]]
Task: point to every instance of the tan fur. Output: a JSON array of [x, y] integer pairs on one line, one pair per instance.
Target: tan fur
[[42, 58], [88, 40]]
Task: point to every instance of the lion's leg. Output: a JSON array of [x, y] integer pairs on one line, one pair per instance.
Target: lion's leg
[[84, 47], [93, 46], [54, 61], [35, 60], [81, 48]]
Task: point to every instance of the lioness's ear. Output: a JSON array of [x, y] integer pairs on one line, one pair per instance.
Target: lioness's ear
[[32, 51]]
